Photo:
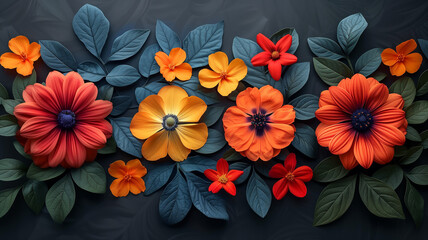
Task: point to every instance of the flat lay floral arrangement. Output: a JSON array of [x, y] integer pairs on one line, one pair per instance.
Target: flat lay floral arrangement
[[64, 125]]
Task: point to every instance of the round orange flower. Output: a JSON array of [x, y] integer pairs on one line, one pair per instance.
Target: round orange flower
[[173, 66], [62, 123], [259, 126], [225, 75], [361, 122], [169, 122], [129, 177], [22, 57], [402, 60]]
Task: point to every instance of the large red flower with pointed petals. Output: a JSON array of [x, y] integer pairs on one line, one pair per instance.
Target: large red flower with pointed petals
[[274, 55], [223, 178], [291, 178], [62, 123]]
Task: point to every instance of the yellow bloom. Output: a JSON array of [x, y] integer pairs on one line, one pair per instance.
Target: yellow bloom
[[173, 66], [225, 75], [169, 122]]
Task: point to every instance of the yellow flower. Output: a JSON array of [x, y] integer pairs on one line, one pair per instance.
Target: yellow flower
[[169, 122], [225, 75], [173, 66]]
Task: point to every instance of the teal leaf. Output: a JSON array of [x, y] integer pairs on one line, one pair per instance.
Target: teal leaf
[[120, 105], [263, 167], [91, 71], [406, 88], [166, 37], [60, 199], [305, 140], [391, 174], [150, 89], [349, 31], [419, 175], [34, 193], [10, 104], [369, 62], [7, 197], [11, 169], [128, 44], [123, 75], [8, 125], [21, 82], [124, 138], [193, 88], [231, 155], [281, 33], [212, 115], [415, 203], [214, 143], [259, 196], [157, 177], [90, 177], [305, 106], [56, 56], [331, 71], [147, 64], [197, 163], [325, 48], [295, 77], [43, 174], [329, 170], [423, 44]]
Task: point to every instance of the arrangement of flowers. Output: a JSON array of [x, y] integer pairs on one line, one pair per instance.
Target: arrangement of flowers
[[179, 121]]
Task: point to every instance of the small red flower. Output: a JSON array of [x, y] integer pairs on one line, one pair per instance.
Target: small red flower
[[291, 178], [223, 178], [274, 55]]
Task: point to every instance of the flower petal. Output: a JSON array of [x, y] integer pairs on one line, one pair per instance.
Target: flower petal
[[394, 100], [156, 146], [230, 188], [332, 114], [96, 111], [143, 125], [55, 81], [25, 68], [342, 99], [290, 162], [57, 156], [326, 133], [325, 99], [27, 110], [218, 62], [271, 99], [383, 154], [135, 168], [342, 141], [391, 116], [233, 175], [45, 145], [85, 96], [389, 57], [278, 171], [303, 173], [237, 129], [348, 159], [225, 87], [388, 134], [261, 59], [176, 150], [265, 43], [406, 47], [38, 127], [275, 70], [171, 96], [183, 71], [90, 136], [19, 45], [280, 188], [280, 135], [208, 78], [286, 59], [398, 69], [162, 59], [222, 166], [363, 151], [177, 56], [137, 185], [211, 174], [237, 70], [215, 187], [193, 136], [10, 60], [378, 95], [191, 109], [359, 90], [284, 43], [76, 152], [249, 100], [33, 52], [297, 188], [119, 188], [73, 81], [284, 115], [413, 62], [153, 105], [117, 169]]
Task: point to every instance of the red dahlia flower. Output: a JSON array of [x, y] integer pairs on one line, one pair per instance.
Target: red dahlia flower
[[274, 55], [62, 123]]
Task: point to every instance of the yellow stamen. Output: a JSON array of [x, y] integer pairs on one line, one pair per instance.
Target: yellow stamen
[[171, 67], [289, 176], [275, 55], [223, 179]]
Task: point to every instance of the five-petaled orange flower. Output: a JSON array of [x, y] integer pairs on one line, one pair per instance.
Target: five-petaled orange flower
[[129, 177], [402, 60], [361, 122], [62, 123], [291, 178], [22, 57], [259, 126], [223, 178], [169, 122], [173, 66], [225, 75]]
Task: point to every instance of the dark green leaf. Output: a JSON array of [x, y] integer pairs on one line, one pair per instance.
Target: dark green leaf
[[391, 174], [3, 92], [259, 196], [412, 134], [8, 125], [331, 71], [419, 175], [406, 88], [417, 113], [90, 177], [422, 87], [60, 199], [212, 115], [109, 148], [305, 106], [10, 104], [34, 193], [330, 169], [21, 82], [231, 155], [7, 197], [325, 47], [214, 143], [380, 76], [20, 149], [43, 174], [424, 137], [369, 62], [415, 203], [281, 33], [400, 151], [11, 169], [412, 155]]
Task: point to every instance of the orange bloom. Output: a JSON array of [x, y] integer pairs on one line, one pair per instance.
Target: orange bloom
[[62, 123], [129, 177], [225, 75], [169, 122], [22, 57], [173, 66], [223, 178], [402, 60], [361, 122], [259, 126]]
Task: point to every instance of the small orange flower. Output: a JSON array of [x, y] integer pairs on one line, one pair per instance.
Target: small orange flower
[[225, 75], [222, 178], [129, 177], [173, 66], [22, 57], [402, 60]]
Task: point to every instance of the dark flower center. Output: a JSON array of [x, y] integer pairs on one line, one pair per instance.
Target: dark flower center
[[275, 55], [66, 119], [362, 120], [259, 122], [170, 122]]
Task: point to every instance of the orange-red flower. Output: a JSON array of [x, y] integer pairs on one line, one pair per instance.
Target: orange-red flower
[[22, 57], [291, 178], [62, 123], [173, 66], [361, 122], [129, 177], [402, 60], [274, 55], [259, 126], [222, 178]]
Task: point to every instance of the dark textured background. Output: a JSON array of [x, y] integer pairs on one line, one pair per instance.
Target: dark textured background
[[137, 217]]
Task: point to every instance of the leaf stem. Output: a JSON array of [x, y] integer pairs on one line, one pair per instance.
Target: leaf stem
[[350, 64]]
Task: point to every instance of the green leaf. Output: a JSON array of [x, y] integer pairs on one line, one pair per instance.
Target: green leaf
[[369, 62], [422, 87], [7, 197], [105, 92], [412, 155], [419, 175], [10, 104], [109, 148], [60, 199], [20, 149], [391, 174], [334, 200], [212, 115], [424, 137], [417, 113], [412, 134], [90, 177], [231, 155], [3, 92], [34, 193], [21, 82], [11, 169], [214, 143], [406, 88], [281, 33], [331, 71], [379, 198], [43, 174], [415, 203], [330, 169], [8, 126], [349, 31], [378, 76], [400, 151]]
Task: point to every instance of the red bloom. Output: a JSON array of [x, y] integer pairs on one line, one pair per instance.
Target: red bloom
[[291, 178], [223, 178], [62, 123], [274, 55]]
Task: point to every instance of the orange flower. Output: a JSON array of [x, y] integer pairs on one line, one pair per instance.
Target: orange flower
[[129, 177], [173, 66], [361, 122], [225, 75], [169, 122], [222, 178], [22, 57], [402, 60], [259, 126]]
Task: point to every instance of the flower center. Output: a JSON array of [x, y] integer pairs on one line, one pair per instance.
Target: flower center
[[223, 179], [223, 75], [400, 57], [362, 120], [275, 55], [66, 119], [171, 67], [170, 122], [259, 122], [127, 177], [289, 176], [23, 56]]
